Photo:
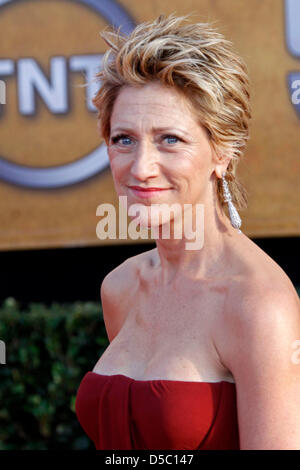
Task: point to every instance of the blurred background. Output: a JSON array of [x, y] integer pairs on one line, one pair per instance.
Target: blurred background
[[54, 174]]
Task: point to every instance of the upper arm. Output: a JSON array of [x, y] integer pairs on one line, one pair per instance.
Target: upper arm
[[266, 370], [114, 293]]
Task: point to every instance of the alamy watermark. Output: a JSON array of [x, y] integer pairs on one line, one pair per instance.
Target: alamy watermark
[[2, 352], [152, 221], [296, 354], [2, 92]]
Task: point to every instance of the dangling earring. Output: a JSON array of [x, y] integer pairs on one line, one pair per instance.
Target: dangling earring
[[233, 213]]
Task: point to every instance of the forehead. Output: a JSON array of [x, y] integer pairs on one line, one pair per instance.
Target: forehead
[[152, 101]]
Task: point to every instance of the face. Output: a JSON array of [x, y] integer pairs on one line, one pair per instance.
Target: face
[[157, 142]]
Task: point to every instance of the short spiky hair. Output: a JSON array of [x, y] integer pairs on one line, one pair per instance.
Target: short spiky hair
[[199, 62]]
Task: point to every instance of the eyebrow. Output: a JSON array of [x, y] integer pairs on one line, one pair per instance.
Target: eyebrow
[[153, 129]]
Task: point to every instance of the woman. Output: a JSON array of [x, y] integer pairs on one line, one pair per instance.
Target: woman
[[201, 340]]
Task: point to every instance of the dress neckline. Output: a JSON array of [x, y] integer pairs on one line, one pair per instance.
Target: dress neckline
[[160, 380]]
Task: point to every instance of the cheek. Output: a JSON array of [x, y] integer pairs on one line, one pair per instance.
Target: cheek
[[114, 167], [187, 165], [119, 162], [196, 162], [117, 166]]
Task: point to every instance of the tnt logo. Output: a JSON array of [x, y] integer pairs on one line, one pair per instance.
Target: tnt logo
[[51, 53], [54, 93], [292, 21], [2, 92]]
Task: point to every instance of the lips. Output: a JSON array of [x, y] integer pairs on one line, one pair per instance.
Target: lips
[[138, 188], [147, 192]]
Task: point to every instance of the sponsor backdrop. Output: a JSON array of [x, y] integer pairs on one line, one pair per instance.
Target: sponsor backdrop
[[54, 169]]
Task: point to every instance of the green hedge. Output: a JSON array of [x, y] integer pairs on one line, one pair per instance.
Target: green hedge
[[48, 351]]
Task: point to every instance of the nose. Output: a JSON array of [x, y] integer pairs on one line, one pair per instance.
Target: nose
[[145, 164]]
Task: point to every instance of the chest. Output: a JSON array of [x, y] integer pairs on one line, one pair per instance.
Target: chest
[[167, 331]]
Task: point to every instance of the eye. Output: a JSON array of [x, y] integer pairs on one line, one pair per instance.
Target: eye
[[118, 137], [171, 139]]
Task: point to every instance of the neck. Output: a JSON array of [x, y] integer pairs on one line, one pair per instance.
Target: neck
[[209, 260]]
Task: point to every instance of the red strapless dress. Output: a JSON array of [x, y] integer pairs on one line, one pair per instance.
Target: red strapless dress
[[121, 413]]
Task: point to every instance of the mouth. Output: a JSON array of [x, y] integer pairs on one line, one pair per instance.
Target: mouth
[[147, 192]]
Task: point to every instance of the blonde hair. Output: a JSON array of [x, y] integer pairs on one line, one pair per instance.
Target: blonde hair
[[200, 63]]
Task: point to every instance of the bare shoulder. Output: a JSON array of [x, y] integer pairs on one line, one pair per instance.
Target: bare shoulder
[[262, 326], [261, 304], [118, 288], [122, 278], [260, 280]]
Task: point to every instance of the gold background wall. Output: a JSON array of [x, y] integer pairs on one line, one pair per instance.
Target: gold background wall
[[41, 218]]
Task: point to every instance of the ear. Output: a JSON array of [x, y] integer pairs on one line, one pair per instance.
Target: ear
[[221, 162], [221, 168]]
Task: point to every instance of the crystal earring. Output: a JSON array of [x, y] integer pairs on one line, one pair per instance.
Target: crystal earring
[[233, 213]]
